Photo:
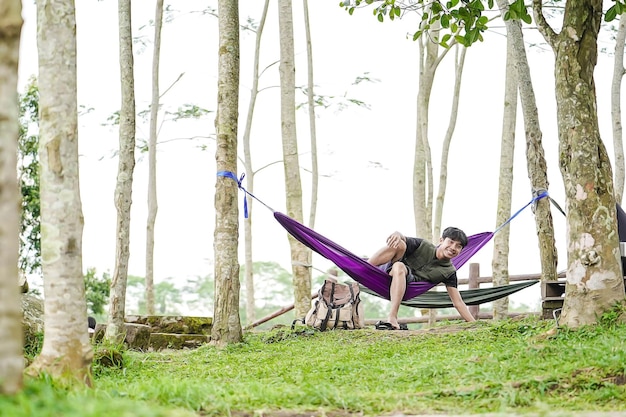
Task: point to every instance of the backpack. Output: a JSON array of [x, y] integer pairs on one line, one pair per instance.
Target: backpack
[[338, 306]]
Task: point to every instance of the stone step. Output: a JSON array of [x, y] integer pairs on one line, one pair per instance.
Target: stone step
[[174, 324], [160, 341]]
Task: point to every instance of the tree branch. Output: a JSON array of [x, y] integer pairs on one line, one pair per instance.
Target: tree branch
[[542, 25]]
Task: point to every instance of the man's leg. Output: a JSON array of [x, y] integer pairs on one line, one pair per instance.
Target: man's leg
[[388, 254], [396, 291]]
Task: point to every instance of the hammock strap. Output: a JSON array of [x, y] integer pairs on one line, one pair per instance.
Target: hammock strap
[[232, 176]]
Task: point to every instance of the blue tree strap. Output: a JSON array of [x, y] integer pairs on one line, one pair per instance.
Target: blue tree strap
[[537, 197], [232, 176]]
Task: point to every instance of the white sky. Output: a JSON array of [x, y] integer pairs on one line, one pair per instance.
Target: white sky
[[359, 204]]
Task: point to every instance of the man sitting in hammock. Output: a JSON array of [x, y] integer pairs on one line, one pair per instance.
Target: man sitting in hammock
[[409, 259]]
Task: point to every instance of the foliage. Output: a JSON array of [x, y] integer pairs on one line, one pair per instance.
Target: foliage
[[505, 367], [462, 21], [28, 172], [97, 291], [167, 297]]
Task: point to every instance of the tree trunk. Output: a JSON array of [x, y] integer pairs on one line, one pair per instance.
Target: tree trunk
[[254, 91], [227, 324], [153, 206], [124, 186], [447, 140], [312, 128], [535, 159], [11, 334], [500, 260], [594, 277], [300, 255], [66, 352], [616, 109]]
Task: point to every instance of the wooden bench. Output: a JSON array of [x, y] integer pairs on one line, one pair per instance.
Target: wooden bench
[[552, 296]]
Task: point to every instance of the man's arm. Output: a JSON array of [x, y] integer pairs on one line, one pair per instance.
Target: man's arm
[[459, 304]]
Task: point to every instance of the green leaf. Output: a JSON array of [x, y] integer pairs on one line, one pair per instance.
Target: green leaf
[[611, 14], [350, 11], [397, 10], [445, 38], [417, 34], [380, 17], [460, 39], [482, 20], [436, 7], [424, 16], [454, 27], [490, 4], [445, 21], [527, 19]]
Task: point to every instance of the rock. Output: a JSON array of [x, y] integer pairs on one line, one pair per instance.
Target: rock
[[137, 335], [32, 322], [175, 324], [160, 341]]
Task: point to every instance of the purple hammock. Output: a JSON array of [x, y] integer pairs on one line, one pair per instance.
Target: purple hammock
[[359, 269]]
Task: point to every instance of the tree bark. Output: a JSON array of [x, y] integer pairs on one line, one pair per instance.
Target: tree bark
[[500, 260], [300, 255], [124, 186], [153, 206], [594, 277], [66, 353], [616, 109], [254, 91], [535, 158], [227, 324], [11, 334]]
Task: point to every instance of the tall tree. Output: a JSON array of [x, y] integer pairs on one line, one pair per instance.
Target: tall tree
[[500, 259], [310, 90], [300, 255], [11, 335], [594, 275], [227, 323], [115, 331], [616, 109], [66, 351], [250, 173], [152, 144]]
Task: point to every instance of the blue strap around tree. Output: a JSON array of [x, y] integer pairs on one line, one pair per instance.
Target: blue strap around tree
[[232, 175]]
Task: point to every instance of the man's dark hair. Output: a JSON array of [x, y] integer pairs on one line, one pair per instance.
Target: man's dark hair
[[455, 233]]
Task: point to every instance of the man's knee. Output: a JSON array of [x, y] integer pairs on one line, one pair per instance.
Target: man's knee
[[398, 269]]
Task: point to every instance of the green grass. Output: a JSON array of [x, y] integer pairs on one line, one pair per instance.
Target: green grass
[[484, 367]]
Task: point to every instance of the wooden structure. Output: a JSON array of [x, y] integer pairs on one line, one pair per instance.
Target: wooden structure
[[552, 296]]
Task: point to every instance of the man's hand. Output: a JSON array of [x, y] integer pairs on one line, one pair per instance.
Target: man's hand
[[393, 241]]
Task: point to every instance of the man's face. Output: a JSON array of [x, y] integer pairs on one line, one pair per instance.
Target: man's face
[[449, 248]]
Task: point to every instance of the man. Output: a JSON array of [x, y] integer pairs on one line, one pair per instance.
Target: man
[[409, 259]]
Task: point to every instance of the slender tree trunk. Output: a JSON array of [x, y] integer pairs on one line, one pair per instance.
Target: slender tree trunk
[[254, 91], [66, 353], [447, 140], [500, 260], [594, 276], [616, 109], [11, 334], [115, 331], [535, 159], [312, 128], [227, 323], [299, 254], [153, 206]]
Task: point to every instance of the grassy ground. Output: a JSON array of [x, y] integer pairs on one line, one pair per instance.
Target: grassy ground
[[515, 366]]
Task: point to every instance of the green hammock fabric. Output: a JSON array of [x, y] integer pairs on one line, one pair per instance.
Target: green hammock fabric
[[441, 299]]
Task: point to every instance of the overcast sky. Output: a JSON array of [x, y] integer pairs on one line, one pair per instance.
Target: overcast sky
[[366, 156]]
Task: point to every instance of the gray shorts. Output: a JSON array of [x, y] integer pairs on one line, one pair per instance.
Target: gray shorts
[[409, 276]]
